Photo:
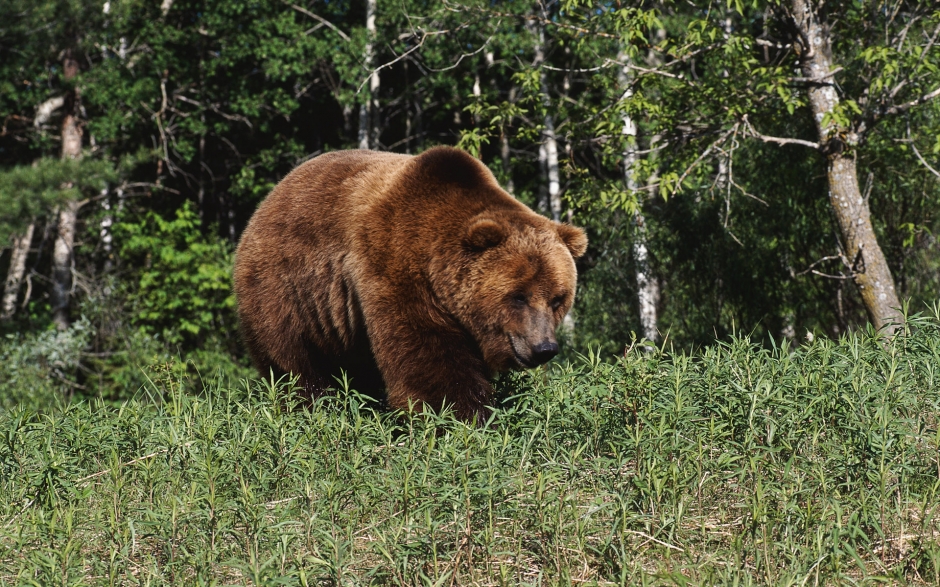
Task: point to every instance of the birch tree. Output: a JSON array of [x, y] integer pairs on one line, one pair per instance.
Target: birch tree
[[21, 242], [11, 286], [68, 213], [548, 147], [368, 108], [646, 284]]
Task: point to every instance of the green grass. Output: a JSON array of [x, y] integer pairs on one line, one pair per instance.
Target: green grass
[[736, 465]]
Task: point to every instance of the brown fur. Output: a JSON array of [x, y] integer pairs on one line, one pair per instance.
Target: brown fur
[[416, 272]]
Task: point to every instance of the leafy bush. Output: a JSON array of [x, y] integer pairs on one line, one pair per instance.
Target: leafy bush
[[183, 288], [122, 359], [38, 369]]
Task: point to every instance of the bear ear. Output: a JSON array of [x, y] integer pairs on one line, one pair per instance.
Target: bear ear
[[573, 237], [484, 233]]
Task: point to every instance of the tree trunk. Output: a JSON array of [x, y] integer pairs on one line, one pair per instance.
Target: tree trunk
[[541, 203], [201, 191], [551, 165], [507, 161], [418, 123], [550, 194], [549, 141], [62, 264], [866, 260], [369, 107], [15, 274], [646, 285], [107, 237], [68, 213]]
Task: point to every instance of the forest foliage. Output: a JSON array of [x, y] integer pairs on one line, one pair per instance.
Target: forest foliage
[[684, 135]]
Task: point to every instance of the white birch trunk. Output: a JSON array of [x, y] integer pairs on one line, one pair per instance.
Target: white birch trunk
[[107, 238], [646, 284], [541, 203], [551, 166], [363, 126], [68, 213], [44, 111], [548, 151], [477, 92], [407, 112], [507, 162], [62, 264], [550, 198], [369, 108], [11, 288]]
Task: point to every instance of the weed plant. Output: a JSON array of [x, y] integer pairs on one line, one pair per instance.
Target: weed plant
[[737, 465]]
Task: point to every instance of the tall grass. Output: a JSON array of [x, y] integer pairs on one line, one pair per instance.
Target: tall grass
[[737, 465]]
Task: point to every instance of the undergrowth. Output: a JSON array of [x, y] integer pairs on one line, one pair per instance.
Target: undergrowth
[[737, 465]]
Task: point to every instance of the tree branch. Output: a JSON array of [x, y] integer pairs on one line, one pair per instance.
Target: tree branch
[[545, 22], [923, 55], [910, 140], [320, 19], [701, 157], [812, 268], [44, 111], [778, 140], [424, 36], [908, 105], [927, 165], [816, 80]]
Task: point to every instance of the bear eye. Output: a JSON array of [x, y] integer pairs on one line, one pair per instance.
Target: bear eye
[[557, 302], [520, 299]]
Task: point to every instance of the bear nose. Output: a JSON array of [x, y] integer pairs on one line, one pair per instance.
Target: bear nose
[[543, 352]]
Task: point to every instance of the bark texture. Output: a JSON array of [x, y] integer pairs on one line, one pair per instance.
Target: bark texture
[[549, 150], [68, 213], [62, 264], [507, 161], [548, 154], [368, 110], [646, 285], [867, 262], [11, 287], [44, 111]]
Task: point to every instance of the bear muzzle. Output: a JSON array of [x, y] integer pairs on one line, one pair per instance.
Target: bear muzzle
[[544, 351], [532, 355]]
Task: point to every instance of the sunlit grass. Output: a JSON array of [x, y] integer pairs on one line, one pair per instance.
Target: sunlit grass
[[736, 465]]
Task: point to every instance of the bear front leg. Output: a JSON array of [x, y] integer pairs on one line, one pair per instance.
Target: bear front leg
[[425, 363]]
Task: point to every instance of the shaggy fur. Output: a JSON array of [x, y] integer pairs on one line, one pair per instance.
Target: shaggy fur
[[418, 273]]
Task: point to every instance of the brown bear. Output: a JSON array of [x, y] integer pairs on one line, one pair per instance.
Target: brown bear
[[419, 273]]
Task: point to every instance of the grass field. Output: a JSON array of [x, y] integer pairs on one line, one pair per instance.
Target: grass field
[[736, 465]]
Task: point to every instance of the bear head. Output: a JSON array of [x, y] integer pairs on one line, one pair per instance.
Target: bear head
[[518, 282], [505, 273]]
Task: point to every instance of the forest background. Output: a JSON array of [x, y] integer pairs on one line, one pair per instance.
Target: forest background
[[767, 167]]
